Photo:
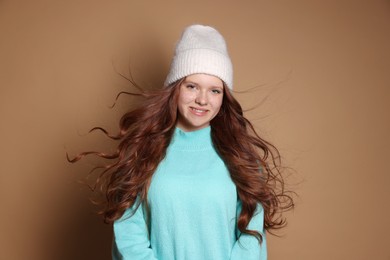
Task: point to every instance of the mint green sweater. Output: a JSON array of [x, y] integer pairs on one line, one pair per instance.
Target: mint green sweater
[[193, 210]]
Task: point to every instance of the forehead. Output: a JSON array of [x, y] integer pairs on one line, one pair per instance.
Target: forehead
[[205, 80]]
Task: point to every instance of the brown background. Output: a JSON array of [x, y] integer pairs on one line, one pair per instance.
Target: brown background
[[322, 69]]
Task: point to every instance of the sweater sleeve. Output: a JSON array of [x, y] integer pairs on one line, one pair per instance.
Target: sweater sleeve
[[131, 239], [247, 246]]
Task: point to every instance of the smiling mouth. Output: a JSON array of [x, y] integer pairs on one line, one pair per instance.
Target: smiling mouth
[[199, 110]]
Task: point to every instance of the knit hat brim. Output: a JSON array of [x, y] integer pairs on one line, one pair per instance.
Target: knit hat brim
[[204, 61]]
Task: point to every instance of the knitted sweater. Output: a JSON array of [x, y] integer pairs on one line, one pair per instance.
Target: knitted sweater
[[193, 210]]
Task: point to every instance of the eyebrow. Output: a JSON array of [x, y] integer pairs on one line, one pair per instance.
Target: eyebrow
[[196, 84]]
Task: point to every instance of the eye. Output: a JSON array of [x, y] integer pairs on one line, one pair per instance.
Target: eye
[[216, 91], [190, 86]]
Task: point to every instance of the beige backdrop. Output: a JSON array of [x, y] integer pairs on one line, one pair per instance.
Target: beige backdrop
[[322, 69]]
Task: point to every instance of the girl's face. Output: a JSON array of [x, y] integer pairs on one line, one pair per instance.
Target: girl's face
[[199, 101]]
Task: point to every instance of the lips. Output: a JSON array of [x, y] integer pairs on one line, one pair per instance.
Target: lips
[[198, 111]]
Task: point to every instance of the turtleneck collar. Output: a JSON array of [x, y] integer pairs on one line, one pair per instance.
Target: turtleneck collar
[[193, 140]]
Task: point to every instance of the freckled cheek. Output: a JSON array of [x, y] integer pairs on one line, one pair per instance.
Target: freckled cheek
[[216, 103], [187, 98]]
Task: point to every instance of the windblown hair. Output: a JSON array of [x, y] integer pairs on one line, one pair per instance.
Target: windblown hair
[[145, 133], [254, 165]]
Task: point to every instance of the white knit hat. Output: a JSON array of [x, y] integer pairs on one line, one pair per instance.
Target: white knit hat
[[201, 49]]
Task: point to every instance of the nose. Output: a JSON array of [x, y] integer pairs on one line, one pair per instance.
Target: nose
[[201, 99]]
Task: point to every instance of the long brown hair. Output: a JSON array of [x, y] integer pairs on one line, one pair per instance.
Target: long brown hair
[[254, 165], [145, 133]]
